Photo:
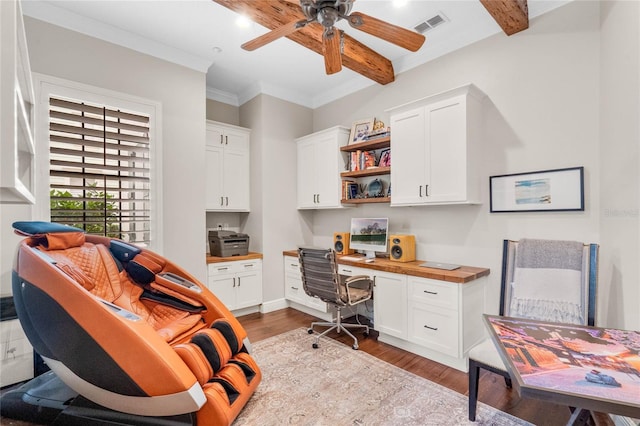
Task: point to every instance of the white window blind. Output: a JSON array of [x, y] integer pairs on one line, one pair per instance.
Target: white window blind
[[99, 169]]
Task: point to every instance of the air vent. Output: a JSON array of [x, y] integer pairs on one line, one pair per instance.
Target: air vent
[[431, 23]]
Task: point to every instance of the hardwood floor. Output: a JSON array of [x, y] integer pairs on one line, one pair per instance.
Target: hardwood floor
[[492, 388]]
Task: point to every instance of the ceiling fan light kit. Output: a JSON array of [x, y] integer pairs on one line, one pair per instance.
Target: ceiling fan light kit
[[285, 20]]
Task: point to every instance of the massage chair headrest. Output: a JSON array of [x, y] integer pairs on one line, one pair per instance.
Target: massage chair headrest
[[52, 236]]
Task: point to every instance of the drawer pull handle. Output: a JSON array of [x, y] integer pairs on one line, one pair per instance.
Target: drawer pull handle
[[249, 265], [348, 270], [431, 328], [293, 264], [430, 292], [295, 288], [223, 269]]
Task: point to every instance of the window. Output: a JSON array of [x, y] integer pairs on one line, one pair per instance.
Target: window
[[100, 176]]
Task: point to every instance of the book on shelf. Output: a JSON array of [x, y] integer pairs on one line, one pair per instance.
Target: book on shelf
[[346, 188]]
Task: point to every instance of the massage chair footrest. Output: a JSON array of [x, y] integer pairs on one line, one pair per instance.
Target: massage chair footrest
[[47, 400]]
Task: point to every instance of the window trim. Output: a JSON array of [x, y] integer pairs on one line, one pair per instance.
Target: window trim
[[47, 86]]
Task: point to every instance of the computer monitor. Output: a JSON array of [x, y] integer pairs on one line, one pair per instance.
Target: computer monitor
[[369, 235]]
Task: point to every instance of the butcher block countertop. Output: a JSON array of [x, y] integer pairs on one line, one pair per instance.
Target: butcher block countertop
[[462, 275], [250, 256]]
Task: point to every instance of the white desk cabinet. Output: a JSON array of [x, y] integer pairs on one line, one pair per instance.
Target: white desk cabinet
[[238, 284], [436, 146], [320, 162], [227, 165], [389, 299], [293, 290]]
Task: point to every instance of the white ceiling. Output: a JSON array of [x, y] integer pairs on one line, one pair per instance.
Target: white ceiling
[[190, 33]]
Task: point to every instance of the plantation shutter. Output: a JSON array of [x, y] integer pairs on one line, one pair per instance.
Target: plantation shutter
[[99, 169]]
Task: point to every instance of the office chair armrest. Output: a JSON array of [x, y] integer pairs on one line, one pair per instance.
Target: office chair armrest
[[356, 279]]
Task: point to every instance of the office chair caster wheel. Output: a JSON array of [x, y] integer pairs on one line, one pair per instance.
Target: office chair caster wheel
[[365, 334], [314, 346], [310, 330], [354, 347]]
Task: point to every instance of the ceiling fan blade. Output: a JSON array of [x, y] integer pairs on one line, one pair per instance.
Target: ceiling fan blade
[[272, 35], [399, 36], [331, 51]]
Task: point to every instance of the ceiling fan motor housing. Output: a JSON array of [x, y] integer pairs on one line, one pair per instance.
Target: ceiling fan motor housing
[[326, 12]]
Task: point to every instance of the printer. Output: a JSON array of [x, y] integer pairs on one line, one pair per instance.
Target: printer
[[228, 243]]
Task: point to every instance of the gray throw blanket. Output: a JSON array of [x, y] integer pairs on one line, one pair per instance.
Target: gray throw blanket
[[547, 281]]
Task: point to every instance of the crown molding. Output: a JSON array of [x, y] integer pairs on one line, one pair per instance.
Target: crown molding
[[55, 15]]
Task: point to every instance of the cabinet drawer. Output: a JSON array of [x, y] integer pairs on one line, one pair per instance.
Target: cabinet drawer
[[432, 292], [291, 265], [434, 328], [221, 268]]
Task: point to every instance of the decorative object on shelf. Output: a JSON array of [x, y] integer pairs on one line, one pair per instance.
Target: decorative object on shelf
[[360, 129], [379, 131], [368, 159], [385, 158], [375, 188], [546, 190]]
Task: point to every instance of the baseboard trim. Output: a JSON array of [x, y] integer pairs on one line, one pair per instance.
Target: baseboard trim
[[273, 305]]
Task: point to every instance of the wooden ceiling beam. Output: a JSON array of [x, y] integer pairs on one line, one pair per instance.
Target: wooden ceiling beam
[[511, 15], [275, 13]]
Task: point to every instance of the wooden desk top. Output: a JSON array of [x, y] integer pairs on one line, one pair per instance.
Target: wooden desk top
[[462, 275], [250, 256]]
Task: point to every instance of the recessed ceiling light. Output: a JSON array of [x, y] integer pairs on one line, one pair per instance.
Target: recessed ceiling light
[[216, 49], [400, 3], [243, 21]]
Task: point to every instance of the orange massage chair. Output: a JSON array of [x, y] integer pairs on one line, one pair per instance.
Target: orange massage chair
[[129, 337]]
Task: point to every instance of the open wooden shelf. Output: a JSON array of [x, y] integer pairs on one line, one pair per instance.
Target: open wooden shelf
[[371, 171], [371, 145], [366, 200]]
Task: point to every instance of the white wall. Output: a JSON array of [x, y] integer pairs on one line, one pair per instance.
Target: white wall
[[542, 113], [620, 162], [72, 56], [274, 219]]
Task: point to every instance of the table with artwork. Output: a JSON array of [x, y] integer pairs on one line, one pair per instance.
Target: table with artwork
[[586, 368]]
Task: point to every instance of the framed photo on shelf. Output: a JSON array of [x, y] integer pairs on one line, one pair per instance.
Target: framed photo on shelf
[[360, 130], [546, 190], [385, 158]]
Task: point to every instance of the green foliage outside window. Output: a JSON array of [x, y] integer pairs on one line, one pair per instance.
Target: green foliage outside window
[[69, 207]]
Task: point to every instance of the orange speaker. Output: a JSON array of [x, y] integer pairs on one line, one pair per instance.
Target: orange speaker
[[341, 243], [402, 248]]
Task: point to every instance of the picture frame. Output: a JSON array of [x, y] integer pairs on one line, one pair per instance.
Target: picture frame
[[546, 190], [385, 158], [360, 129]]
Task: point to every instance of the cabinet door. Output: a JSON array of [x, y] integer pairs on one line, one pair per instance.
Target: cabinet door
[[249, 286], [224, 287], [327, 172], [307, 194], [236, 180], [214, 165], [409, 169], [446, 141], [390, 304]]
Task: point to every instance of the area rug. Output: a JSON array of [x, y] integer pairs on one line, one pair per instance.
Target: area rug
[[335, 385]]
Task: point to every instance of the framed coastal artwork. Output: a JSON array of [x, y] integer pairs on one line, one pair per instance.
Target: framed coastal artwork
[[545, 190]]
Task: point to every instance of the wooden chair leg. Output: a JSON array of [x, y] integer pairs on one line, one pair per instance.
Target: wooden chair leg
[[474, 376]]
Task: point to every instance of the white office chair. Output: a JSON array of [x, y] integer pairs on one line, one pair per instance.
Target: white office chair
[[541, 279]]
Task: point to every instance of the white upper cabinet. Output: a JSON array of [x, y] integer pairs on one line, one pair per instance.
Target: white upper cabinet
[[228, 168], [17, 100], [436, 146], [320, 162]]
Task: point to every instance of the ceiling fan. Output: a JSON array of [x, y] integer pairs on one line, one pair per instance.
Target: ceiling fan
[[311, 23]]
